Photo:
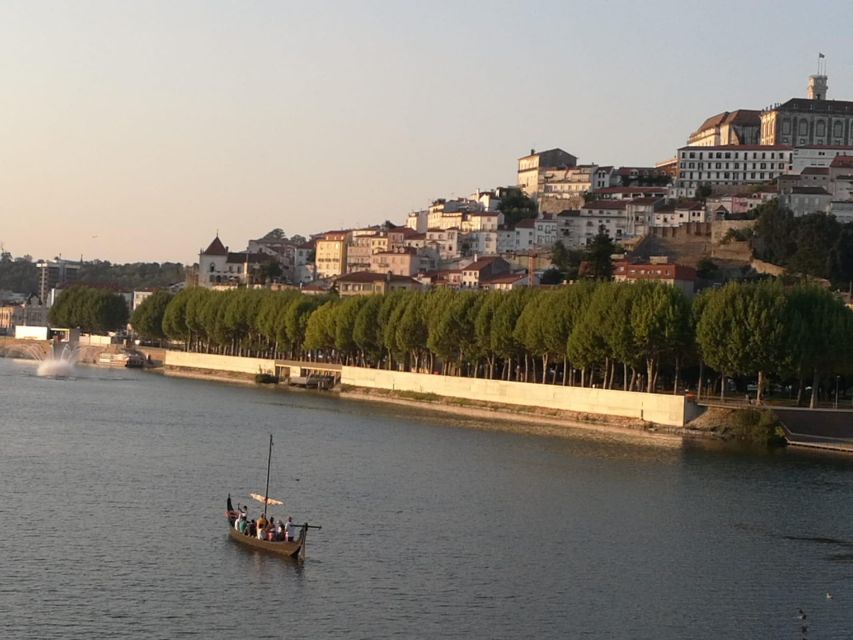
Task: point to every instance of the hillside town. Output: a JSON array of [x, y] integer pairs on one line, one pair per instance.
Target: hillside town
[[685, 221]]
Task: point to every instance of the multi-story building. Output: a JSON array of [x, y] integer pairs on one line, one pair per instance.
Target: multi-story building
[[331, 254], [817, 156], [804, 200], [629, 193], [219, 268], [445, 243], [483, 269], [841, 178], [55, 274], [402, 261], [728, 128], [532, 168], [810, 121], [359, 252], [729, 165], [676, 275], [525, 233], [366, 283], [545, 231]]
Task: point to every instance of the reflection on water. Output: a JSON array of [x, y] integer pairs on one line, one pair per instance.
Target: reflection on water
[[429, 530]]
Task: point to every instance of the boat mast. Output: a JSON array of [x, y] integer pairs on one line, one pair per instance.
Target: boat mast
[[267, 490]]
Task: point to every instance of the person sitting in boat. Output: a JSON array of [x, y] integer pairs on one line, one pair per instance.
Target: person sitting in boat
[[270, 532], [239, 521], [262, 527], [280, 531], [252, 528]]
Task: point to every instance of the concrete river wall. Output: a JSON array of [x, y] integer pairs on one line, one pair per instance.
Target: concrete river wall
[[664, 409]]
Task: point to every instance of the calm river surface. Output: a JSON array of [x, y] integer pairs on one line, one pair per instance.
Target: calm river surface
[[114, 486]]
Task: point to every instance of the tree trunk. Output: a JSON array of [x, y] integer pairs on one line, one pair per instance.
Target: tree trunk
[[813, 401], [675, 385], [722, 387], [759, 393], [565, 370], [650, 370], [544, 368]]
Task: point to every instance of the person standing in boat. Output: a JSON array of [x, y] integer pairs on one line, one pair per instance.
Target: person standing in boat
[[290, 529], [262, 525]]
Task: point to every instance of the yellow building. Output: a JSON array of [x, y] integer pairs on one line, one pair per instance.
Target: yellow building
[[331, 254]]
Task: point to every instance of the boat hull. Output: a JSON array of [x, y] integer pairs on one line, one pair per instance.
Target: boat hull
[[294, 549]]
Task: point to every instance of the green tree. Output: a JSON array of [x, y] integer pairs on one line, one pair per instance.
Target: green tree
[[147, 319], [516, 206], [598, 255], [821, 334]]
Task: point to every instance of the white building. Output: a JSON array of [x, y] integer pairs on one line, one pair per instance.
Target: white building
[[729, 165]]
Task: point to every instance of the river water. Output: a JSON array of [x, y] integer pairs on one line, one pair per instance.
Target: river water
[[114, 487]]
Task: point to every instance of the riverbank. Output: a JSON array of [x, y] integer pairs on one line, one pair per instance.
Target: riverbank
[[517, 419]]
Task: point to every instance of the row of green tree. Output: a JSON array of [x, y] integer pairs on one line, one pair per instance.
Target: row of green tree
[[92, 310], [633, 336]]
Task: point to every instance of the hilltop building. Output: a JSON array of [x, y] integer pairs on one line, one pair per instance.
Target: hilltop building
[[728, 128], [220, 268], [809, 121], [533, 168]]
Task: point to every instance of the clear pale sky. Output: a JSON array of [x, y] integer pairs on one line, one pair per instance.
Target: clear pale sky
[[132, 131]]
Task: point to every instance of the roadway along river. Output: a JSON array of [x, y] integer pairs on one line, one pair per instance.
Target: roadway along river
[[114, 487]]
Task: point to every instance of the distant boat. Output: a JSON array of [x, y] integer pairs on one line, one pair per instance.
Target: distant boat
[[291, 549], [123, 359]]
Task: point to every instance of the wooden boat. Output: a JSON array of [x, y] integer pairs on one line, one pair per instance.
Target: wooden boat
[[291, 549], [294, 549]]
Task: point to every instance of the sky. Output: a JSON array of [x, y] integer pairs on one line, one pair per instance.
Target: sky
[[134, 131]]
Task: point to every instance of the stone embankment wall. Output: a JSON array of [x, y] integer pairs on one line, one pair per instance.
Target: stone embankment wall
[[670, 410], [664, 409], [211, 362]]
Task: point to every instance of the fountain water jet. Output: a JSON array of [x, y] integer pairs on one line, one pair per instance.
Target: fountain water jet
[[61, 360]]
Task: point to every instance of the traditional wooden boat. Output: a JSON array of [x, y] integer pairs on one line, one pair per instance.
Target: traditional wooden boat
[[290, 548]]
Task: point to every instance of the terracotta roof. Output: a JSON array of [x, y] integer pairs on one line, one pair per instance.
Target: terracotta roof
[[690, 204], [504, 278], [526, 223], [619, 190], [482, 263], [814, 191], [370, 276], [648, 271], [605, 204], [842, 161], [216, 248], [815, 171], [743, 117], [245, 256]]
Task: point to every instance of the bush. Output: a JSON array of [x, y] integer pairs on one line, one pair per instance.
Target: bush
[[755, 426], [265, 378]]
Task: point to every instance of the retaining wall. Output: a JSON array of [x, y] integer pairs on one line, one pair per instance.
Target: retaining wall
[[213, 362], [671, 410]]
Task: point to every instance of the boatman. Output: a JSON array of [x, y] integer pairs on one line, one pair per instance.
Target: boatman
[[290, 529]]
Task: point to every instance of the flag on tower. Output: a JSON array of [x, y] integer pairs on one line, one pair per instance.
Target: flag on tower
[[820, 55]]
